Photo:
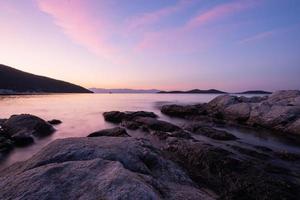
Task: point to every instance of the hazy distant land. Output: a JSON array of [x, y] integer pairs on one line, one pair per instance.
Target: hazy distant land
[[122, 90]]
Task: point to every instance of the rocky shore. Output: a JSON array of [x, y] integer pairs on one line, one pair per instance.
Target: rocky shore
[[193, 160]]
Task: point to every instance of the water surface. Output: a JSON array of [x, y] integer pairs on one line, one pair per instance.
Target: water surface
[[82, 114]]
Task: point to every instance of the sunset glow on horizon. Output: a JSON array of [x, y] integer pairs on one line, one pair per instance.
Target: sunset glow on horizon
[[231, 45]]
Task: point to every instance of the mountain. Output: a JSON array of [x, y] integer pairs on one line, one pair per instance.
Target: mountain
[[255, 92], [195, 91], [102, 90], [16, 81]]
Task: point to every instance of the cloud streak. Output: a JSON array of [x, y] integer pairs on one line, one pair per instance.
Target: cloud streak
[[74, 19], [179, 38], [257, 37], [140, 21]]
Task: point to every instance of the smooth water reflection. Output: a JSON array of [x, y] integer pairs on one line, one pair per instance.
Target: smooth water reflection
[[82, 114]]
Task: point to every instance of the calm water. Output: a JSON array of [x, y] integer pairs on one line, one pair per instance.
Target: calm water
[[82, 114]]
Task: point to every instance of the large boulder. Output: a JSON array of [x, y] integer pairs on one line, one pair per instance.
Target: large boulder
[[219, 103], [238, 112], [28, 125], [98, 168], [285, 98], [112, 132], [277, 117], [118, 117], [279, 111]]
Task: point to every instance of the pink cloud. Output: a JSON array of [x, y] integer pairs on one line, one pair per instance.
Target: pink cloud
[[219, 12], [74, 18], [140, 21], [179, 38]]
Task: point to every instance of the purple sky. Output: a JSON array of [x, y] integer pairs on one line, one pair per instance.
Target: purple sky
[[230, 45]]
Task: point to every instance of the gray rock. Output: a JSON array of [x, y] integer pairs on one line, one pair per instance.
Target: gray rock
[[239, 112], [98, 168], [112, 132], [285, 97], [280, 111], [221, 102]]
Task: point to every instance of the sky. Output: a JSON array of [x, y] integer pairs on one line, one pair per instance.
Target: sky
[[231, 45]]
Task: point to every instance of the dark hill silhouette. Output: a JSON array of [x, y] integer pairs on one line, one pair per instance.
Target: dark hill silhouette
[[23, 82], [195, 91]]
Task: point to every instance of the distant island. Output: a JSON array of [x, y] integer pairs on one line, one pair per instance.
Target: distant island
[[195, 91], [254, 92], [13, 81], [123, 91]]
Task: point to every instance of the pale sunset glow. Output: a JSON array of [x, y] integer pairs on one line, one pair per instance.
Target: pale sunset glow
[[230, 45]]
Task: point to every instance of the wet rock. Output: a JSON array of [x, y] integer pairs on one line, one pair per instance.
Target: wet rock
[[262, 148], [6, 145], [112, 132], [178, 134], [2, 121], [98, 168], [288, 156], [21, 140], [28, 125], [54, 122], [294, 127], [250, 152], [183, 110], [118, 117], [131, 125], [228, 175], [157, 125], [198, 128]]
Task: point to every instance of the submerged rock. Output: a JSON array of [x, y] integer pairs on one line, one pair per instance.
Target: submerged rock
[[112, 132], [54, 122], [28, 125], [20, 130], [118, 117], [156, 125], [6, 145], [21, 140], [183, 110], [178, 134], [98, 168]]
